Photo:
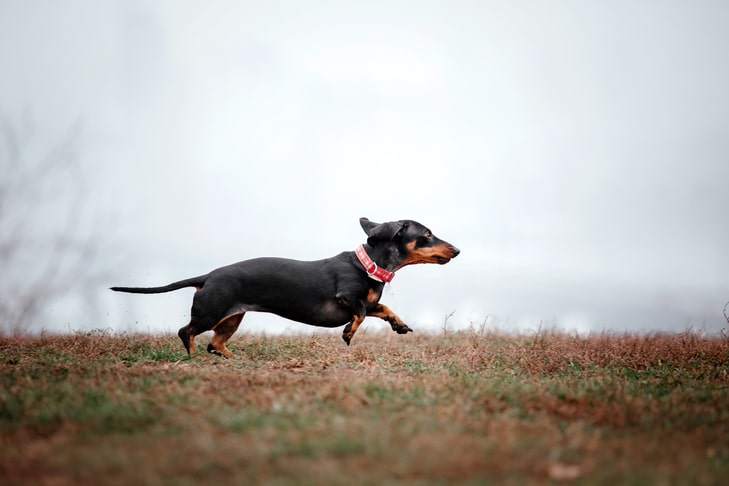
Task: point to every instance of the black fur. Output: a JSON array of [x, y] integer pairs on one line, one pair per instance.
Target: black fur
[[329, 293]]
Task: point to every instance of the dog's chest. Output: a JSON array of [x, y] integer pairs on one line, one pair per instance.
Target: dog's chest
[[373, 297]]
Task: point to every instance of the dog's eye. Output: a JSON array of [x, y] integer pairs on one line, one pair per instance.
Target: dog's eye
[[429, 235]]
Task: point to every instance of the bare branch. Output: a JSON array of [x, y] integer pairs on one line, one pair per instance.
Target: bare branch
[[445, 321], [46, 239]]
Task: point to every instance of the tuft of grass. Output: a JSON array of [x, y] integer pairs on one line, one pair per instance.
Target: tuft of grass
[[466, 407]]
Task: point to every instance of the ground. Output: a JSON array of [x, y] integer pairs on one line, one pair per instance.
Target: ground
[[469, 407]]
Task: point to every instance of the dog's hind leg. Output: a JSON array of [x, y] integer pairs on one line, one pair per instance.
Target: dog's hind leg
[[223, 330], [204, 315], [187, 335]]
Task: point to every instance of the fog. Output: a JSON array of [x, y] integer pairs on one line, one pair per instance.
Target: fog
[[576, 152]]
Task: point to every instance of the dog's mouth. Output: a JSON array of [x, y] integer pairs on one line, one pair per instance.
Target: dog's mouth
[[451, 253]]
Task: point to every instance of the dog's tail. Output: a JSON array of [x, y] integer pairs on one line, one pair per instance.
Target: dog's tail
[[197, 282]]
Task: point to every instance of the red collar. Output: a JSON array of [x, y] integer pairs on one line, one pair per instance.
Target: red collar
[[374, 271]]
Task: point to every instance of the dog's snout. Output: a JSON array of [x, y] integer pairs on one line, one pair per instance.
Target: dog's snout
[[455, 251]]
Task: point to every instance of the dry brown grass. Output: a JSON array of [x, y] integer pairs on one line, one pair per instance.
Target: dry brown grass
[[467, 407]]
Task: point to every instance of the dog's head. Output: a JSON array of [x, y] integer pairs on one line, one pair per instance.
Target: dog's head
[[413, 242]]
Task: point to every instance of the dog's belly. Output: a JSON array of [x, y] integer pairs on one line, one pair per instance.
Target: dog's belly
[[300, 291], [329, 314]]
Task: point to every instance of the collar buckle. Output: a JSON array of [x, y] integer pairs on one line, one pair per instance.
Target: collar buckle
[[373, 271]]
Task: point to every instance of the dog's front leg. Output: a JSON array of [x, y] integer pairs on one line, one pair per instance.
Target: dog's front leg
[[384, 313], [351, 328], [358, 314]]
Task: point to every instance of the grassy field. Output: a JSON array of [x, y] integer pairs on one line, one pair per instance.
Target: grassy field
[[467, 407]]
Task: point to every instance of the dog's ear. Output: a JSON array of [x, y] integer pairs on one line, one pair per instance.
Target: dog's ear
[[384, 231], [367, 225]]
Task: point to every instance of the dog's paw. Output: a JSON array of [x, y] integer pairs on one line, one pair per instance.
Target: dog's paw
[[223, 354], [402, 329]]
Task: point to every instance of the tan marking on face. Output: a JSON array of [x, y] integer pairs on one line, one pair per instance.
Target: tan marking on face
[[430, 254]]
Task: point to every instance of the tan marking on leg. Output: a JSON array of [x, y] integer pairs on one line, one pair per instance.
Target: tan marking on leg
[[385, 313], [188, 338], [223, 331], [347, 336]]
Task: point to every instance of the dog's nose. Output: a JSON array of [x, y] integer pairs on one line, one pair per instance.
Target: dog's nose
[[455, 251]]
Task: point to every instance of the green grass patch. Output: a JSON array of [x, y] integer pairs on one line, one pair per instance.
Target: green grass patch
[[466, 408]]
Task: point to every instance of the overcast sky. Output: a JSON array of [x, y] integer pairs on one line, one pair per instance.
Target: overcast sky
[[577, 152]]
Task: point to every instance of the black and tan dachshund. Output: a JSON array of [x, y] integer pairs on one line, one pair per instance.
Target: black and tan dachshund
[[340, 290]]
